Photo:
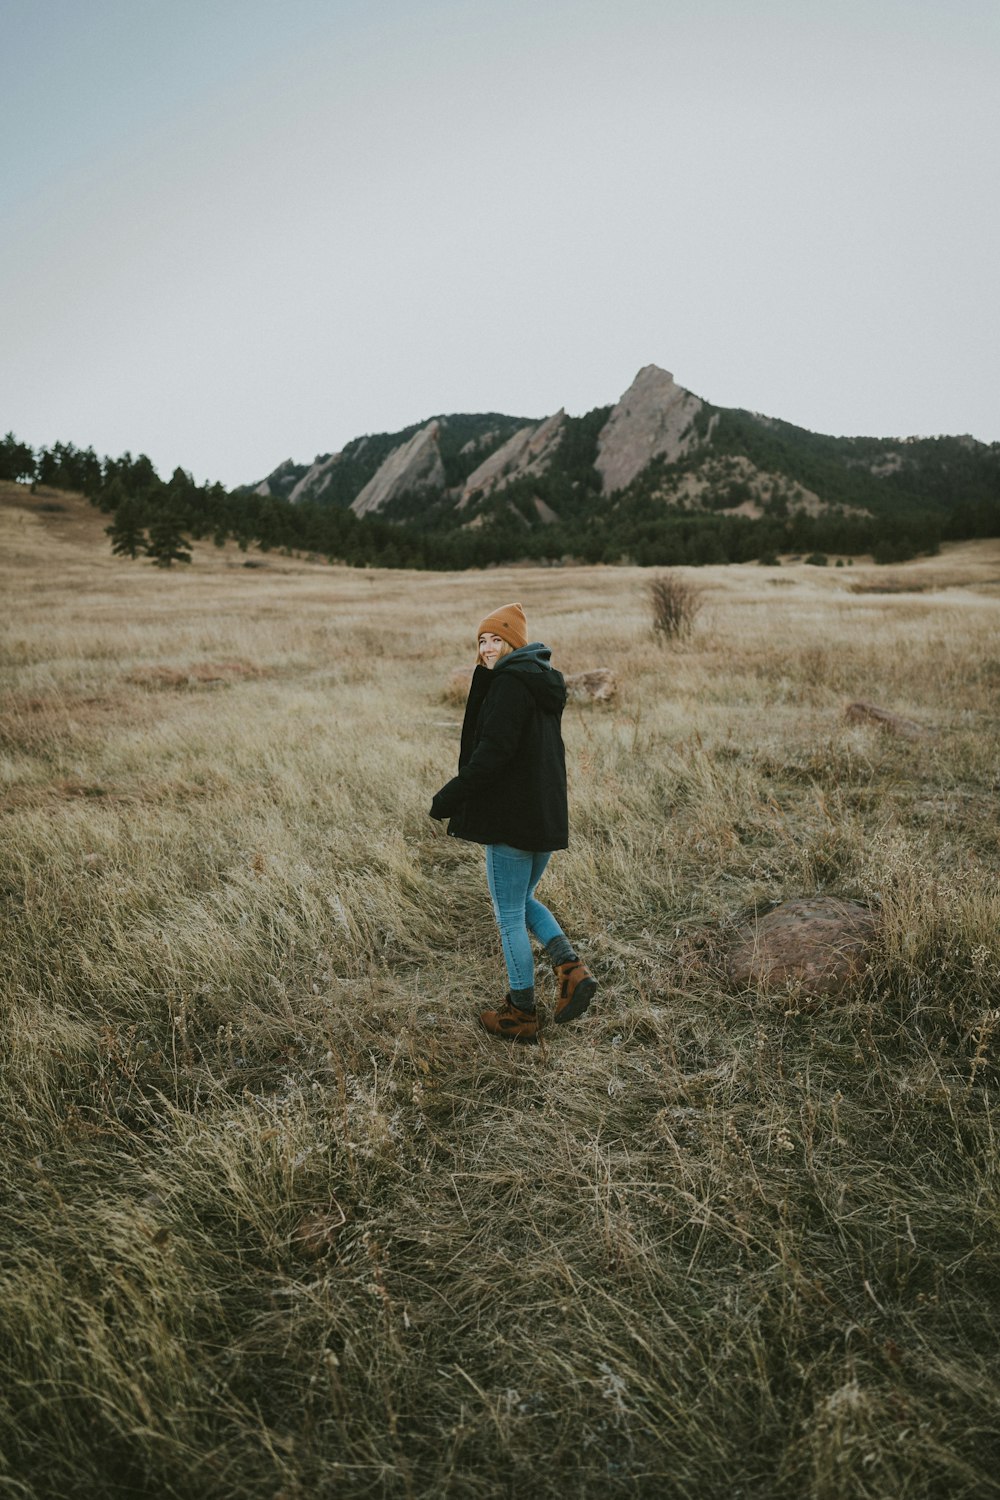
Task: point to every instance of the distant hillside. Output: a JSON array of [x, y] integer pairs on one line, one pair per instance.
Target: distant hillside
[[659, 452], [659, 477]]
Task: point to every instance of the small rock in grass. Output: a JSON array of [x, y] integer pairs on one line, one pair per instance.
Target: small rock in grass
[[870, 713]]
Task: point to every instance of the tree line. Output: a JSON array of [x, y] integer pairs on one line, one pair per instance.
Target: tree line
[[159, 519]]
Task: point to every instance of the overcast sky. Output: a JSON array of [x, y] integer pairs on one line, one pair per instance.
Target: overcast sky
[[236, 231]]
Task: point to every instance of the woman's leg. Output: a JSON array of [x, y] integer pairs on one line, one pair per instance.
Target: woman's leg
[[508, 874], [512, 875], [541, 922], [538, 917], [577, 986]]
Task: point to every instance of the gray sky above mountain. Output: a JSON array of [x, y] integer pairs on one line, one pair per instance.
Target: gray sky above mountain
[[240, 230]]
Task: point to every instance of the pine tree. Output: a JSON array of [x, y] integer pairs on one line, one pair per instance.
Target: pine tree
[[167, 543], [17, 460], [127, 533]]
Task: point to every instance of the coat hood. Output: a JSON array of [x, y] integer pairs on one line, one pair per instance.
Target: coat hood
[[532, 664]]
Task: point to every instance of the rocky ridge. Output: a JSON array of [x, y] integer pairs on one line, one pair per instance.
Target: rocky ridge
[[415, 465], [655, 418], [281, 481], [659, 446], [529, 451], [316, 479]]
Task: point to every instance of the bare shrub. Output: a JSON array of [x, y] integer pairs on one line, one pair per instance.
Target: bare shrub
[[676, 603]]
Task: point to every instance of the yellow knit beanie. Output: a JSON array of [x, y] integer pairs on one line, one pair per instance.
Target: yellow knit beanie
[[508, 623]]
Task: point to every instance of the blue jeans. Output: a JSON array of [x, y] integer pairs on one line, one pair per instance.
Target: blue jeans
[[512, 875]]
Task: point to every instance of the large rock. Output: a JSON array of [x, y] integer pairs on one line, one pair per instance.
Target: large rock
[[529, 451], [654, 419], [415, 465], [818, 947], [595, 686]]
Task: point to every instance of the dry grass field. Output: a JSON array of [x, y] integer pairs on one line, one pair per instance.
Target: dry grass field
[[280, 1222]]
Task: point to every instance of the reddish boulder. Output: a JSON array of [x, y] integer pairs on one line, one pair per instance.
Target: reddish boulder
[[818, 946]]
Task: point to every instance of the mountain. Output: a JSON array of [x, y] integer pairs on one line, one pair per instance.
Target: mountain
[[373, 471], [659, 452]]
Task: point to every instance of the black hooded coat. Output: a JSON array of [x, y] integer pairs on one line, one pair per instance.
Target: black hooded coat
[[511, 782]]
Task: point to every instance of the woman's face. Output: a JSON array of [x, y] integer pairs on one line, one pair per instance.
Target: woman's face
[[490, 647]]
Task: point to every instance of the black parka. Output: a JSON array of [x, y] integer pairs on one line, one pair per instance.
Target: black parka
[[511, 782]]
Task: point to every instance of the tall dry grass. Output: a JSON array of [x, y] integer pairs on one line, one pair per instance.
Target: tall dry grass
[[281, 1222]]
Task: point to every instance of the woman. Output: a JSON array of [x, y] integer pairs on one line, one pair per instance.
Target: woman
[[510, 794]]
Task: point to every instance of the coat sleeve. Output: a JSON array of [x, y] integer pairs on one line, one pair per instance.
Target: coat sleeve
[[502, 719]]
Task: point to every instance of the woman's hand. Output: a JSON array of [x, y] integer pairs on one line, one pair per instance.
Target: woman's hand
[[445, 802]]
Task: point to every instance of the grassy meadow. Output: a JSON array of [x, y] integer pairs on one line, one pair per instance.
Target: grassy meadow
[[280, 1221]]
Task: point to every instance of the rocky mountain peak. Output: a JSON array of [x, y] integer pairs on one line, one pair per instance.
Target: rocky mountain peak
[[414, 465], [529, 451], [653, 419], [316, 479]]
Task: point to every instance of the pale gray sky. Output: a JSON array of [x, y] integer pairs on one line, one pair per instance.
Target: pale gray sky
[[236, 231]]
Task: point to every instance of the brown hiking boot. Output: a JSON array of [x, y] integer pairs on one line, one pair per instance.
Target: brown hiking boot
[[577, 987], [511, 1023]]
